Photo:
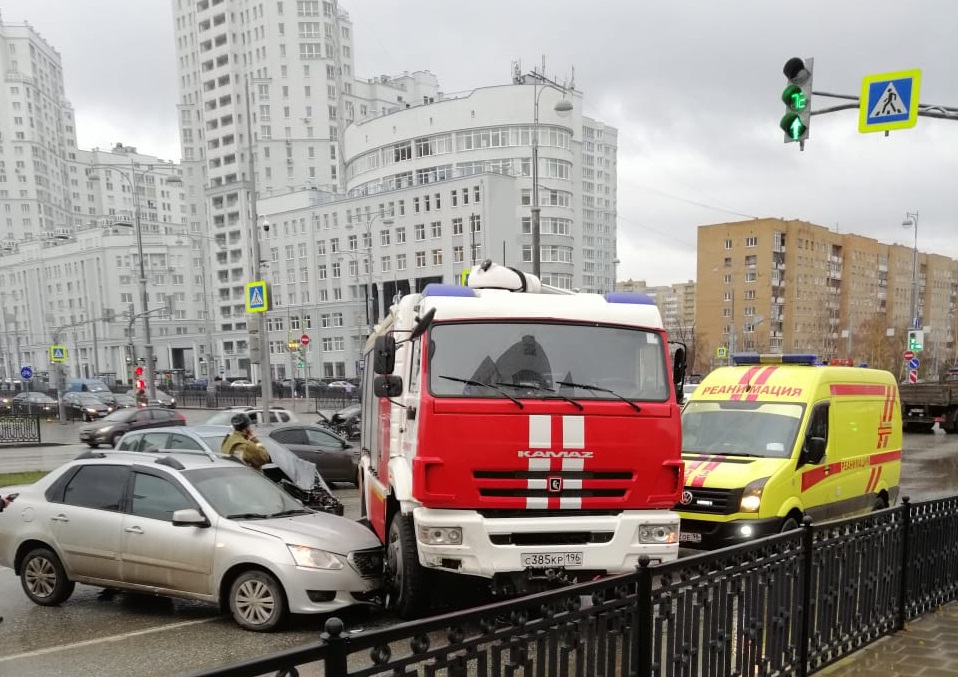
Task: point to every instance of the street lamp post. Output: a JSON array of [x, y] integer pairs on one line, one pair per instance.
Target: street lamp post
[[911, 221], [211, 363], [173, 180], [615, 273], [368, 300], [562, 106]]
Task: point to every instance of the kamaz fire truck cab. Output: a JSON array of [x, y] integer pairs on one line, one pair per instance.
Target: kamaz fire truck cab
[[520, 434]]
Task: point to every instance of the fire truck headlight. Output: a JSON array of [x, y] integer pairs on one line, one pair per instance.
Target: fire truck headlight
[[440, 535], [752, 495], [659, 534]]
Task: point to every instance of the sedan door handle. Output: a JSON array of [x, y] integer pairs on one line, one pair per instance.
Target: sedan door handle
[[134, 530], [60, 518]]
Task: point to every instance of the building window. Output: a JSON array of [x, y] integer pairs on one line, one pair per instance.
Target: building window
[[420, 232], [437, 257], [751, 241], [728, 244], [457, 254], [457, 226], [435, 229], [401, 235], [400, 262], [420, 259]]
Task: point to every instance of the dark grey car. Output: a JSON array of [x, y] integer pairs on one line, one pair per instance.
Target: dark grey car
[[84, 406], [110, 429], [335, 458]]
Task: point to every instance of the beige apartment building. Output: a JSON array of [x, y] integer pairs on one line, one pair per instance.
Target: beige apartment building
[[771, 285]]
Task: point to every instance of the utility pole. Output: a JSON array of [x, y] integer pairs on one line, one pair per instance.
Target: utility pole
[[266, 374]]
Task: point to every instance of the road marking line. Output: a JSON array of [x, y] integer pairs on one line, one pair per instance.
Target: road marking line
[[111, 638]]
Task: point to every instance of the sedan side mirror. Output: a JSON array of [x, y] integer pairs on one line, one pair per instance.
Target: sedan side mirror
[[189, 517]]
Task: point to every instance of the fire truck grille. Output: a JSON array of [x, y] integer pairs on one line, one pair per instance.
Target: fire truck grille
[[712, 501], [575, 483], [553, 538]]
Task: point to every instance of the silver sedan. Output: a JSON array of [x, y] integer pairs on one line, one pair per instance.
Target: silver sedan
[[185, 525]]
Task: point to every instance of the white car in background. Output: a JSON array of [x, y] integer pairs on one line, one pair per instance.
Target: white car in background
[[276, 415], [242, 383]]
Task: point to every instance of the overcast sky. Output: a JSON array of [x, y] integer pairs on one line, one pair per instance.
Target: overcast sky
[[692, 85]]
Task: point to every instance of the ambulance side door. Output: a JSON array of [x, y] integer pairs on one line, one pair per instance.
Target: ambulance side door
[[821, 479]]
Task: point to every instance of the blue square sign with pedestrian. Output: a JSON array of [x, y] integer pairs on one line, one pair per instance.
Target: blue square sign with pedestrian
[[889, 101]]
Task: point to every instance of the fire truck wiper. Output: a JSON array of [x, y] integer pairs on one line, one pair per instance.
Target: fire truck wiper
[[555, 395], [470, 382], [586, 386]]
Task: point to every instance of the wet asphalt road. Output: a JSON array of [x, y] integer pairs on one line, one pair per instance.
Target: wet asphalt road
[[132, 636]]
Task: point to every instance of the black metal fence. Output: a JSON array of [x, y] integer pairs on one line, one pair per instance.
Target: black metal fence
[[789, 604], [17, 429]]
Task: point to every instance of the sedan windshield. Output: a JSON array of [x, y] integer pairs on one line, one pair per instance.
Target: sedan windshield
[[763, 429], [241, 493], [527, 360]]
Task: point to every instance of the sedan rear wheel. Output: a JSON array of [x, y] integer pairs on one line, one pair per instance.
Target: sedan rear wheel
[[44, 579], [257, 601]]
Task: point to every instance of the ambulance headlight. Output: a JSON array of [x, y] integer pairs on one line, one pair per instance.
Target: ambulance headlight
[[659, 534], [440, 535], [752, 496]]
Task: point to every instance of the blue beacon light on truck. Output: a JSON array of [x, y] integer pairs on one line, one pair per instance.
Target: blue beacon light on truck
[[629, 297], [788, 358]]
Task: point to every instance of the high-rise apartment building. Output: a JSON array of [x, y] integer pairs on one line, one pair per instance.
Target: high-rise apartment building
[[773, 285], [37, 137]]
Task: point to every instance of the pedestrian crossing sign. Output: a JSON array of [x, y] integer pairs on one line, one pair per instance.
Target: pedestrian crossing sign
[[58, 354], [257, 298], [889, 101]]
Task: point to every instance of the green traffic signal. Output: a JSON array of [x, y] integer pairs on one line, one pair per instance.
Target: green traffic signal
[[792, 125], [795, 98]]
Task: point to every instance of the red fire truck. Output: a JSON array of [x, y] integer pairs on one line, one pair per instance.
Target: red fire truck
[[519, 434]]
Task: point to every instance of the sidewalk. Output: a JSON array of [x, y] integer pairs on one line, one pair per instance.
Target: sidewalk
[[927, 647]]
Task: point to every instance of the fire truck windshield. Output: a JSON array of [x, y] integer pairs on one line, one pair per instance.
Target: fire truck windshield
[[610, 362], [762, 429]]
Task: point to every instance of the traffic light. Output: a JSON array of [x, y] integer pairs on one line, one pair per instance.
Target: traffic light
[[140, 384], [916, 340], [797, 98], [138, 372]]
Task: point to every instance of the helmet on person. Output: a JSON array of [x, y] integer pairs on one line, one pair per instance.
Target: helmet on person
[[240, 421]]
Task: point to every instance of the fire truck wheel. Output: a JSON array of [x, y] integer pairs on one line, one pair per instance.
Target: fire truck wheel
[[405, 578]]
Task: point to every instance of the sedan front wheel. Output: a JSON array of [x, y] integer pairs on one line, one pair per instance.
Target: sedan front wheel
[[257, 601]]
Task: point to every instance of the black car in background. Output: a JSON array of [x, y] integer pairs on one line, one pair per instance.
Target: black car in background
[[85, 406], [335, 458], [114, 401], [110, 429], [34, 404]]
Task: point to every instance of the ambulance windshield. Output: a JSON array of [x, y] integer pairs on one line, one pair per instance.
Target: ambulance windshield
[[533, 358], [760, 429]]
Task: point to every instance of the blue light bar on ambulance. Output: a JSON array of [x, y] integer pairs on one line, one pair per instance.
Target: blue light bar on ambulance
[[788, 358], [629, 297], [436, 289]]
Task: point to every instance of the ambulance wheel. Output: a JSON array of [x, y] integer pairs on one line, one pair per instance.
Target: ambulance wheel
[[406, 586], [790, 524]]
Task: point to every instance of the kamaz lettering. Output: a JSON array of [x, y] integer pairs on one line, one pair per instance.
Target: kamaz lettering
[[555, 454]]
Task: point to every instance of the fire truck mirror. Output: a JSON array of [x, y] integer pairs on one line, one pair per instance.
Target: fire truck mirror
[[422, 325], [678, 371], [387, 386], [385, 355]]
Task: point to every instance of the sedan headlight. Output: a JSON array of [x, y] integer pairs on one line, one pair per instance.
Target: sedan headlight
[[659, 534], [752, 495], [314, 558], [104, 429], [440, 535]]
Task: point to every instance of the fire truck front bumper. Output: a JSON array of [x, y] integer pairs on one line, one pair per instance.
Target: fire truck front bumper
[[466, 542]]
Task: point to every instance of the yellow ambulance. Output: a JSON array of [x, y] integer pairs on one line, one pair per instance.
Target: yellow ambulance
[[775, 438]]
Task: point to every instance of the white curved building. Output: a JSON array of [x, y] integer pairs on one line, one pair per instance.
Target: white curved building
[[491, 130]]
